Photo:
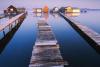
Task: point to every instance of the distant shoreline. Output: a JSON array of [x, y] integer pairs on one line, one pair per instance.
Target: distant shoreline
[[87, 9]]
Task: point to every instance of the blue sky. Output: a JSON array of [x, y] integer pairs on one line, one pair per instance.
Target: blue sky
[[29, 4]]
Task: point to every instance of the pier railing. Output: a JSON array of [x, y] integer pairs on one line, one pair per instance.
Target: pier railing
[[11, 23]]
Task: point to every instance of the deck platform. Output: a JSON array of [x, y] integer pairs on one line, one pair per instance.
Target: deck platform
[[46, 51]]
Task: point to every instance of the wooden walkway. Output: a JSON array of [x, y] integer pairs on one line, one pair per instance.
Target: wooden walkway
[[12, 20], [1, 17], [46, 51], [94, 36]]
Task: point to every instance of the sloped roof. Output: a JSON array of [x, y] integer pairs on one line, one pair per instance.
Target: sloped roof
[[11, 6]]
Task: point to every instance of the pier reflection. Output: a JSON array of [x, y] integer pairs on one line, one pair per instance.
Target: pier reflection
[[94, 44], [56, 15], [8, 35], [6, 39], [40, 14], [73, 14], [37, 14]]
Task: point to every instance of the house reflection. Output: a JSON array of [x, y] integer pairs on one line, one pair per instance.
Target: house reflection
[[46, 16], [56, 15], [72, 14], [37, 14]]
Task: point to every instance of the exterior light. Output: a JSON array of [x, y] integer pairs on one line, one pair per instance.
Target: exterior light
[[39, 10], [11, 9], [56, 9]]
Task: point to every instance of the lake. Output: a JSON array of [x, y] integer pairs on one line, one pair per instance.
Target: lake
[[74, 48]]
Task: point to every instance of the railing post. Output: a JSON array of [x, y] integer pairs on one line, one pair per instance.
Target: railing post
[[11, 25], [15, 22], [4, 34]]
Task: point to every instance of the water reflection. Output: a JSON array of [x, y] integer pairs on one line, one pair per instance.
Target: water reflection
[[72, 14], [9, 35], [46, 16], [86, 38], [56, 15], [90, 19], [39, 14], [4, 41], [73, 46]]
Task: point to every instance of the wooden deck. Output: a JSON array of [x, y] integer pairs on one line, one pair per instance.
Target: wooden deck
[[46, 51], [94, 36], [10, 21]]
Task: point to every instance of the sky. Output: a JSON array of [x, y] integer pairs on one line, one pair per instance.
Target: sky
[[29, 4]]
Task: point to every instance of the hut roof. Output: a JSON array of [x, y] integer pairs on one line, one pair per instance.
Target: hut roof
[[11, 6]]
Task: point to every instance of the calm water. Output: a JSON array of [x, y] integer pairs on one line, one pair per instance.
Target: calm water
[[3, 20], [74, 48]]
